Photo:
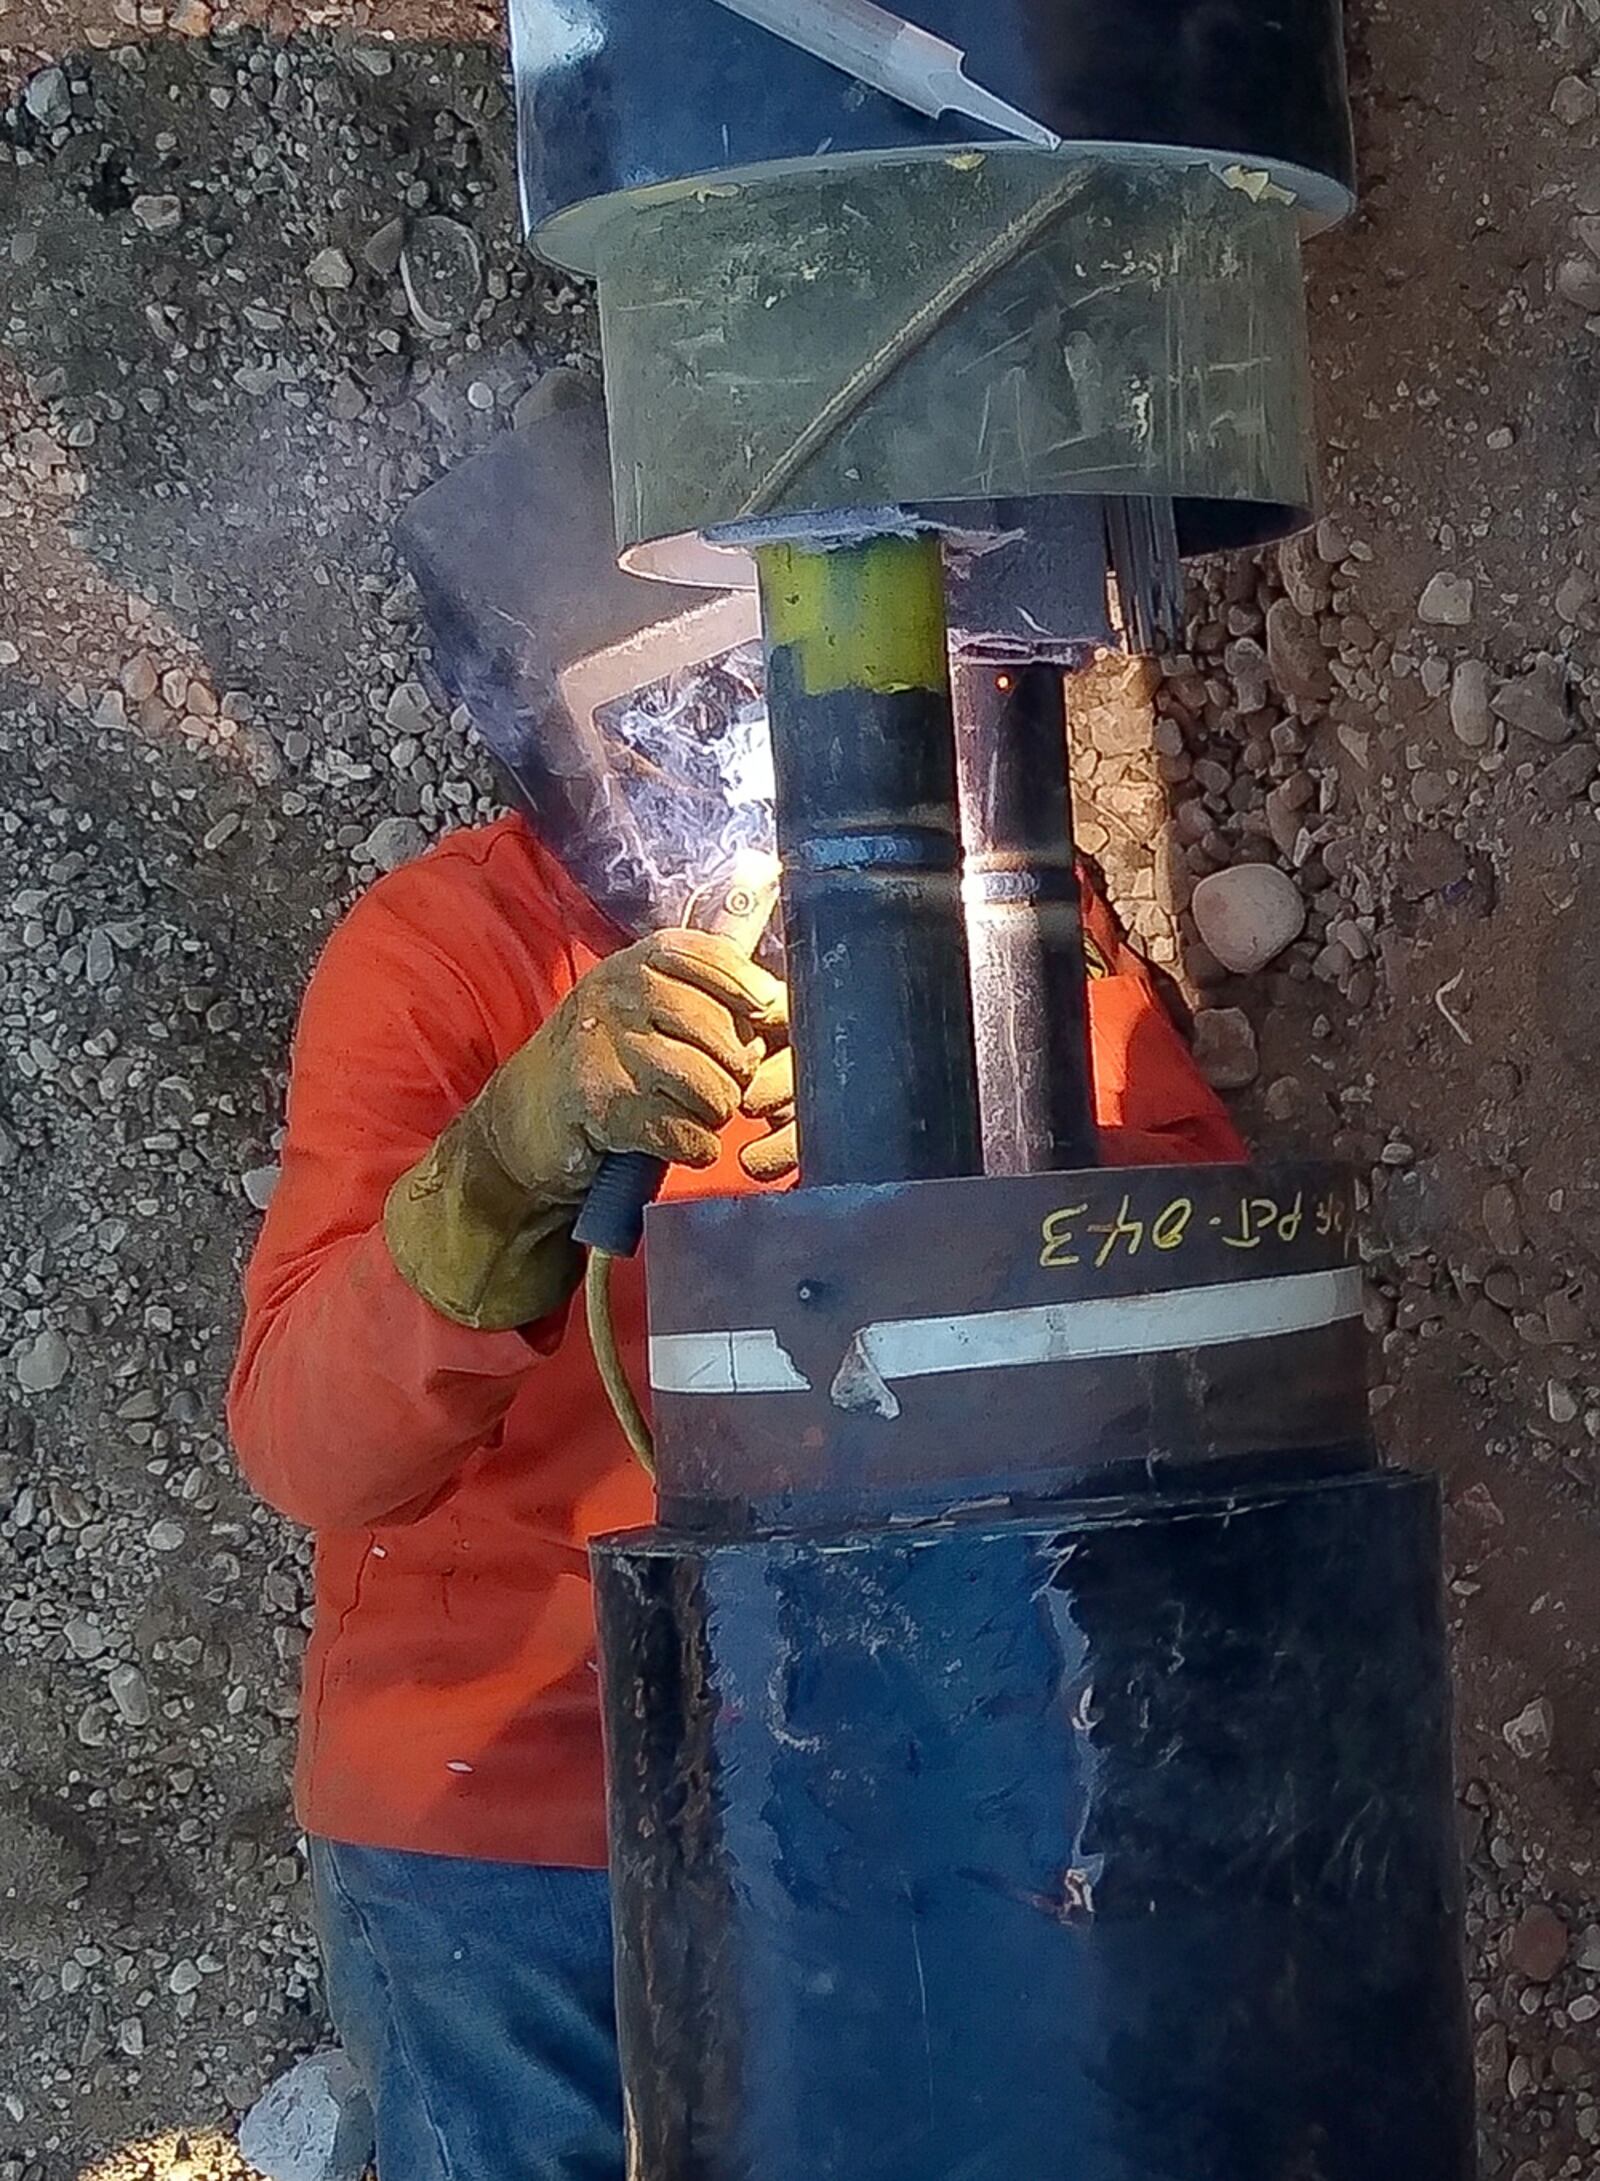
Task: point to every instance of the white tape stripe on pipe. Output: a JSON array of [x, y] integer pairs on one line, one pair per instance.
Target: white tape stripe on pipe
[[753, 1362], [1125, 1325], [993, 1340]]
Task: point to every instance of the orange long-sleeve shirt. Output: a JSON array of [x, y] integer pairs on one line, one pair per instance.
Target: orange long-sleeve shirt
[[454, 1478]]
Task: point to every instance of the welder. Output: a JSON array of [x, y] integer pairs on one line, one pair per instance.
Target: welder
[[478, 1032]]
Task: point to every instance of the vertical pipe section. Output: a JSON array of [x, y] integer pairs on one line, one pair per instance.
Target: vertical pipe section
[[868, 828], [1024, 922]]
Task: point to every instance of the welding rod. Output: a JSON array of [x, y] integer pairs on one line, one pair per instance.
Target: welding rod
[[888, 54]]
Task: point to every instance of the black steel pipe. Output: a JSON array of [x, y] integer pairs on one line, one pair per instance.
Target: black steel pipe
[[1024, 918], [1114, 1847], [863, 751], [976, 1820], [651, 91], [855, 1357]]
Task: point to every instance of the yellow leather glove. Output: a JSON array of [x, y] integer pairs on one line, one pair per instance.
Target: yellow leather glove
[[651, 1051], [770, 1098]]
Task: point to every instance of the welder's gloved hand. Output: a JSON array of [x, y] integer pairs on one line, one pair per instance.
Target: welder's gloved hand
[[651, 1051], [770, 1098]]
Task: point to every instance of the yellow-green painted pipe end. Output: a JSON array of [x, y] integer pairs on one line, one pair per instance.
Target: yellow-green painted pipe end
[[867, 616]]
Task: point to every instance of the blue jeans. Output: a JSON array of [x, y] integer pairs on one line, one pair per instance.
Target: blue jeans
[[475, 2000]]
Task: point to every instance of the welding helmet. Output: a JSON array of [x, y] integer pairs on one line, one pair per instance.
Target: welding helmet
[[625, 717]]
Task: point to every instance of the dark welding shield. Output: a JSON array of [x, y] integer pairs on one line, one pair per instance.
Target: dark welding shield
[[626, 717]]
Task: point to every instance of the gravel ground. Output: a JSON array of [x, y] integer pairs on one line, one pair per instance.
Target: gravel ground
[[214, 398], [215, 395]]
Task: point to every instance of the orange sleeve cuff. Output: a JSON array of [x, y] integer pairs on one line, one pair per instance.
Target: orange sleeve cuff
[[357, 1401]]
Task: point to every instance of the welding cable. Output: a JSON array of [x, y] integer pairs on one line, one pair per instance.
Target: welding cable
[[737, 905], [608, 1360]]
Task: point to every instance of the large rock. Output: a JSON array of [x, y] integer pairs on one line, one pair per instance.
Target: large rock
[[331, 269], [48, 98], [1532, 1733], [1574, 102], [1225, 1048], [1578, 283], [44, 1363], [1285, 819], [1298, 663], [259, 1184], [1306, 577], [1570, 775], [1502, 1219], [1536, 702], [1246, 666], [1471, 714], [159, 213], [441, 270], [409, 712], [394, 841], [1447, 601], [313, 2124], [1538, 1944], [1248, 915]]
